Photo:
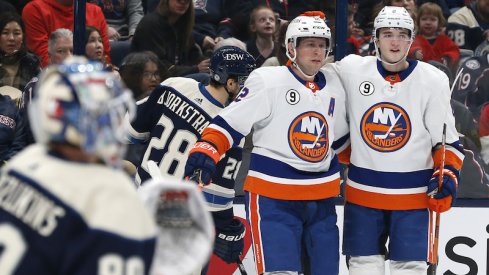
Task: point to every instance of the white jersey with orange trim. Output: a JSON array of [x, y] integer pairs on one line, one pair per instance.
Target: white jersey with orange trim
[[395, 123], [294, 124]]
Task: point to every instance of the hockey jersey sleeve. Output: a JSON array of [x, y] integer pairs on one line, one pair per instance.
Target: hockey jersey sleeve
[[146, 115], [439, 112], [235, 121]]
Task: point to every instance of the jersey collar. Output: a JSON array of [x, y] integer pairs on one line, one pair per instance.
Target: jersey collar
[[398, 77], [319, 80], [208, 95]]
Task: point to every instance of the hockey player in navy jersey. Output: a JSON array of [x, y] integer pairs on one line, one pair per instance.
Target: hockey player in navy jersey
[[65, 207], [396, 109], [295, 112], [172, 119]]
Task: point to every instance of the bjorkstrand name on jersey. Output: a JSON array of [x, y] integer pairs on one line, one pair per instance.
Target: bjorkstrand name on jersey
[[29, 205], [184, 110]]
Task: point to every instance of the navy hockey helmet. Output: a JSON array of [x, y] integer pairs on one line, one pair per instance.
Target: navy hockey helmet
[[229, 61]]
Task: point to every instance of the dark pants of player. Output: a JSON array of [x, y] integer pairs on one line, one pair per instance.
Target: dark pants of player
[[281, 228], [365, 232]]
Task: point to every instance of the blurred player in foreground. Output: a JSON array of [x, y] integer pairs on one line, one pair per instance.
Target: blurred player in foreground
[[65, 207]]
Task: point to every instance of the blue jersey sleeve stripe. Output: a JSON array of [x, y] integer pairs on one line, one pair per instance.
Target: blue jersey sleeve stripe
[[235, 135], [340, 142]]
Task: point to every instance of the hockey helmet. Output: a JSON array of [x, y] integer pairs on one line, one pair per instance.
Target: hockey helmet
[[393, 17], [229, 61], [307, 26], [81, 104]]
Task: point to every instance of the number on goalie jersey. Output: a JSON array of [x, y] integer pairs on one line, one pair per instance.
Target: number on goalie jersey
[[171, 120]]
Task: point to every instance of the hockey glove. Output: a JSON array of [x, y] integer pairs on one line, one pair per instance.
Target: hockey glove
[[441, 201], [201, 163], [229, 242]]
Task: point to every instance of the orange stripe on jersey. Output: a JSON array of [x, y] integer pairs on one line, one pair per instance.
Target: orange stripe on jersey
[[292, 191], [255, 233], [450, 159], [217, 138], [344, 156], [384, 201]]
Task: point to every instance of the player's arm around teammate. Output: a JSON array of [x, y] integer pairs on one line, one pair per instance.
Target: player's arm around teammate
[[293, 170]]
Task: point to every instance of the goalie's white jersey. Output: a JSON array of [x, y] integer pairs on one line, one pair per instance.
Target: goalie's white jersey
[[396, 120], [293, 130]]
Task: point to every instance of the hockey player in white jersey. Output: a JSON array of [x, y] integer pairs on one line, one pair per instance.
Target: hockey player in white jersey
[[172, 119], [65, 207], [396, 109], [295, 113]]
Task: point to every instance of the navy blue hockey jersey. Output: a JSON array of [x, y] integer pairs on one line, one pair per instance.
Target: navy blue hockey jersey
[[64, 217], [171, 120]]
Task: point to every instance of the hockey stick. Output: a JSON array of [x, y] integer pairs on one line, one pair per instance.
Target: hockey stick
[[241, 267], [433, 261], [390, 129]]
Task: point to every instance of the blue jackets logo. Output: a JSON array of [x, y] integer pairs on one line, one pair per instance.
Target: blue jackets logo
[[385, 127], [308, 136]]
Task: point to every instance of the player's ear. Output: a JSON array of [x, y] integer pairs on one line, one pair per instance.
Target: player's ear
[[290, 48]]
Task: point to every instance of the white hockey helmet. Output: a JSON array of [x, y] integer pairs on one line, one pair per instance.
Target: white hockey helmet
[[306, 26], [81, 104], [393, 17]]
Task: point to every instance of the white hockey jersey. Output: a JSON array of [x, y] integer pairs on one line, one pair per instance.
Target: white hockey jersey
[[395, 123], [294, 124], [65, 217]]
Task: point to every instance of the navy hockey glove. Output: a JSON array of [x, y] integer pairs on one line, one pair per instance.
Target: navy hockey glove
[[441, 201], [229, 242], [201, 163]]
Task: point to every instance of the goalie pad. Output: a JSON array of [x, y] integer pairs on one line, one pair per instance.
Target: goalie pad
[[185, 229]]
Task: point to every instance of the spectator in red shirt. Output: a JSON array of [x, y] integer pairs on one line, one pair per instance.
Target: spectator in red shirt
[[42, 17], [431, 43]]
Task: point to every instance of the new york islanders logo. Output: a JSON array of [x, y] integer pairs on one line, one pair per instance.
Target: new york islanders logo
[[308, 136], [385, 127]]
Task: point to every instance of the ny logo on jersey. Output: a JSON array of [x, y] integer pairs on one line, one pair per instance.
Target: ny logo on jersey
[[385, 127], [308, 136]]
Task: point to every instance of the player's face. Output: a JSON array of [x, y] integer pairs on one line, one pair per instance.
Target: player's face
[[393, 44], [311, 52], [428, 25], [63, 48], [11, 38], [94, 49], [151, 77]]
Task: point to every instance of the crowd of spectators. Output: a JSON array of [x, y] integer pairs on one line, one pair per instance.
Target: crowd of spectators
[[146, 41]]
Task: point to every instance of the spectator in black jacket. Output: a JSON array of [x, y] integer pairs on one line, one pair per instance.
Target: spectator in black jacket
[[18, 66], [168, 33]]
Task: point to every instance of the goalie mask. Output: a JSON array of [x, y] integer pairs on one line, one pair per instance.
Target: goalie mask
[[81, 104]]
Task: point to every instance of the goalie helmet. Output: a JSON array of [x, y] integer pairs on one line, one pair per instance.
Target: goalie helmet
[[229, 61], [307, 26], [393, 17], [81, 104]]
